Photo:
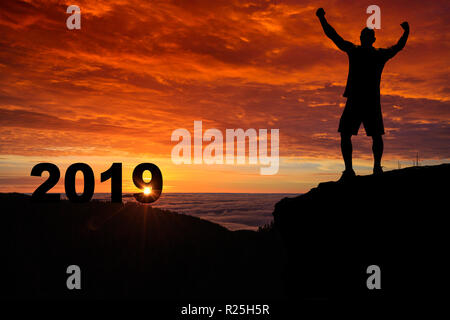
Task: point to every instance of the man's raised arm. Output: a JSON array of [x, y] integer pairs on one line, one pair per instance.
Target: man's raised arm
[[392, 51], [331, 33]]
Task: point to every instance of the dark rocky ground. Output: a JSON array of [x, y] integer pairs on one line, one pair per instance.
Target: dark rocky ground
[[397, 220], [133, 251], [318, 248]]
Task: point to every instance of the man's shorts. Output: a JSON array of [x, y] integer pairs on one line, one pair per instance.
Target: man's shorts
[[355, 112]]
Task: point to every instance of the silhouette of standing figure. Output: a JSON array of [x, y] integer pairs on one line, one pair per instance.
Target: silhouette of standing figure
[[362, 90]]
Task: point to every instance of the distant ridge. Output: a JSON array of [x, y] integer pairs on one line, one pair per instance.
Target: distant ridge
[[397, 220], [132, 251]]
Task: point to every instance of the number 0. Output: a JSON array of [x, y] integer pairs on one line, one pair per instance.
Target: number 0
[[89, 182]]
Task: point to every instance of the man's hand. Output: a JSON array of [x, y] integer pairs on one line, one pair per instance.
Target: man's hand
[[320, 12], [405, 26]]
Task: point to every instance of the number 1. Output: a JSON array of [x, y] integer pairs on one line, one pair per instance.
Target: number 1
[[115, 174]]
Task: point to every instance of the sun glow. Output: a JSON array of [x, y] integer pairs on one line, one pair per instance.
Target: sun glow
[[147, 190]]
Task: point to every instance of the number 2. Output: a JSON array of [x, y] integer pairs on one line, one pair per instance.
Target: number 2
[[40, 194]]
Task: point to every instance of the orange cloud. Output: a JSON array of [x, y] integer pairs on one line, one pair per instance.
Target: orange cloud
[[138, 70]]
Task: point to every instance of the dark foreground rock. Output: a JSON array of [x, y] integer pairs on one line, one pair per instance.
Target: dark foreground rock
[[397, 221], [132, 251]]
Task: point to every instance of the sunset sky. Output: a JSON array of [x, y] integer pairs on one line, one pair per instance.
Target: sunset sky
[[115, 90]]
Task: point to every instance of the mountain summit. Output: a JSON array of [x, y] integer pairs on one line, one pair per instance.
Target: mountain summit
[[394, 221]]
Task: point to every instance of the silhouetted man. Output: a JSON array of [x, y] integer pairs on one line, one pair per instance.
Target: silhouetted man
[[363, 90]]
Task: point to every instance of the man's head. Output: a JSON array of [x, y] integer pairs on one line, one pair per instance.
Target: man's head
[[367, 37]]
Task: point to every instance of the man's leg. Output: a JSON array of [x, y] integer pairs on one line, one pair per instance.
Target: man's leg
[[377, 148], [347, 149]]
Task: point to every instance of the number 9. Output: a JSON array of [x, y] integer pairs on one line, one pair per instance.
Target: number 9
[[152, 189]]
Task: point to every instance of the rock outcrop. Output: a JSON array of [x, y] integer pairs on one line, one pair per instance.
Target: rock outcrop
[[396, 221]]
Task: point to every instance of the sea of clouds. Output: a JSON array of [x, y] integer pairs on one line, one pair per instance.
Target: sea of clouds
[[235, 211]]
